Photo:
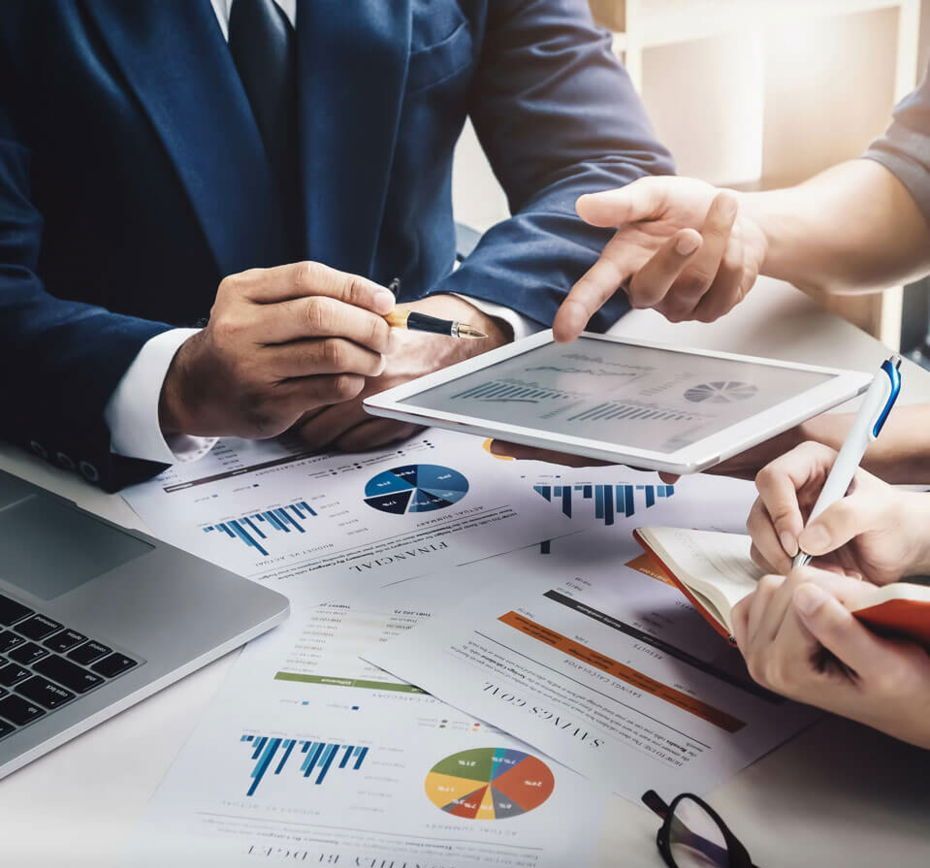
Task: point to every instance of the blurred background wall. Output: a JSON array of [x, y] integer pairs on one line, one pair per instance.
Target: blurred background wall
[[755, 94]]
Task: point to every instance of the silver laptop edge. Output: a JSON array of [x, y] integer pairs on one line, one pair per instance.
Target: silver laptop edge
[[152, 607]]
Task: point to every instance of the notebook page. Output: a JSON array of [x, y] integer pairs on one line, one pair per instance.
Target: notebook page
[[717, 565]]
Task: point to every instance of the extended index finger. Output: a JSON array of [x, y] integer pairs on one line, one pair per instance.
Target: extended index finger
[[586, 297], [597, 285]]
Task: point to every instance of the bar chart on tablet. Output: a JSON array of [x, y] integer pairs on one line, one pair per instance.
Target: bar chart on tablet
[[576, 377], [612, 396], [609, 410]]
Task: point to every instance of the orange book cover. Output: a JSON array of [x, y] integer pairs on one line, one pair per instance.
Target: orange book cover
[[660, 567], [898, 617]]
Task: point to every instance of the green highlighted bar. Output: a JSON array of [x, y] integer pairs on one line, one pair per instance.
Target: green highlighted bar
[[347, 682]]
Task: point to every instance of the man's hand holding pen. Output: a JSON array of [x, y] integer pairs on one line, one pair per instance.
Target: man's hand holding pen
[[280, 341], [300, 345], [347, 426]]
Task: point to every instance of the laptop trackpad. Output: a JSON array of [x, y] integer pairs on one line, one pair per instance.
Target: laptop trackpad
[[48, 548]]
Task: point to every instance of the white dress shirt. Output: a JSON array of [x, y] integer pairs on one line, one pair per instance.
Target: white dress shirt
[[132, 410]]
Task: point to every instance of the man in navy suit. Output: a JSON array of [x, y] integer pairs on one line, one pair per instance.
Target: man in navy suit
[[201, 202]]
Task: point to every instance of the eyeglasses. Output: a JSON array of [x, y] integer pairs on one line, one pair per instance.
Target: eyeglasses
[[692, 834]]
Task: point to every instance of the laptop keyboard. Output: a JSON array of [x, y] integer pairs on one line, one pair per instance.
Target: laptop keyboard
[[45, 665]]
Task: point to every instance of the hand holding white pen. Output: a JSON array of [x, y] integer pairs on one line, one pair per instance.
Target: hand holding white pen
[[863, 525], [876, 405]]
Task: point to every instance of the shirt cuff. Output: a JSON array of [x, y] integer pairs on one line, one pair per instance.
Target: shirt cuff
[[131, 413], [520, 325]]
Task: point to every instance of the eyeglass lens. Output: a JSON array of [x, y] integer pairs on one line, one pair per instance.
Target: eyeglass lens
[[695, 840]]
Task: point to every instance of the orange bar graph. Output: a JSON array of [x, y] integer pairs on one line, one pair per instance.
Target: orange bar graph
[[621, 671]]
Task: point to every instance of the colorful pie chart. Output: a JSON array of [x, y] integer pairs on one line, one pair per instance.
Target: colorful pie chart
[[415, 488], [489, 783]]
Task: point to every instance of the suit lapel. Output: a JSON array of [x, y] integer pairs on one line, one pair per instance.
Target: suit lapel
[[352, 67], [176, 62]]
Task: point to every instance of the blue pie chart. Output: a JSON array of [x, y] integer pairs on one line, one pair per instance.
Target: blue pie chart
[[415, 488]]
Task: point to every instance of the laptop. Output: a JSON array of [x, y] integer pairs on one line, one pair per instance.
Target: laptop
[[95, 618]]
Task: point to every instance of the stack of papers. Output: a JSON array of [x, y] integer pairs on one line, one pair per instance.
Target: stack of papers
[[477, 657]]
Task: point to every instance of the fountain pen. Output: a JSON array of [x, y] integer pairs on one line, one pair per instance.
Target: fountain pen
[[412, 320]]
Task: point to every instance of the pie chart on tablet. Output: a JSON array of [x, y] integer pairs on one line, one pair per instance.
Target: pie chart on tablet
[[415, 488], [489, 783], [721, 392]]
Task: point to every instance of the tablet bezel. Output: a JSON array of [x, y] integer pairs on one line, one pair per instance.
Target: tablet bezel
[[698, 456]]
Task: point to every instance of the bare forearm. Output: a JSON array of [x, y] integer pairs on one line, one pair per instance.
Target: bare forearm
[[853, 228], [900, 456]]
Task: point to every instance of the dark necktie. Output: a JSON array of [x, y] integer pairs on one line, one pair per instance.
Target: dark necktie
[[262, 43]]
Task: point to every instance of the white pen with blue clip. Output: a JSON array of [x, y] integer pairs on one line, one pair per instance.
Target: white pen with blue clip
[[876, 405]]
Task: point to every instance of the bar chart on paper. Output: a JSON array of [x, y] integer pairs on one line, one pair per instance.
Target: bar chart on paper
[[256, 529], [609, 500], [312, 760]]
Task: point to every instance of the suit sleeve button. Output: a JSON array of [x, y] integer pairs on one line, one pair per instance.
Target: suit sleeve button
[[38, 448], [65, 461]]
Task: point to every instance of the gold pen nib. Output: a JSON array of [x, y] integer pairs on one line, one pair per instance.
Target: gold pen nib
[[464, 330]]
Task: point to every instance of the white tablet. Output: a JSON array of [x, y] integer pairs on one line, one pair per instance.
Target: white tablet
[[620, 400]]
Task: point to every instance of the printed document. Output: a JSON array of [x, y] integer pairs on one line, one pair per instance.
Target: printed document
[[275, 512], [310, 756], [585, 655]]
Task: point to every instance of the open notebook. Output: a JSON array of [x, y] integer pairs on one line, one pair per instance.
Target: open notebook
[[715, 572]]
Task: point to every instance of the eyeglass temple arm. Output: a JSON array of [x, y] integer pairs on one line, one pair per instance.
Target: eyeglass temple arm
[[719, 855], [655, 803]]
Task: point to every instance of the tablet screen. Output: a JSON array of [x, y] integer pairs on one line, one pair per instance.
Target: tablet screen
[[644, 397]]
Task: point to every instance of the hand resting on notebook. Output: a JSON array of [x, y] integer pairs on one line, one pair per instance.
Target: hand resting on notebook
[[782, 628]]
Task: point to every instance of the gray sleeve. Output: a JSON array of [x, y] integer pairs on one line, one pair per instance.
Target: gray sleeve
[[905, 148]]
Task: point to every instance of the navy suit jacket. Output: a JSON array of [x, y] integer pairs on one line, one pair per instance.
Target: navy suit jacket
[[133, 177]]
